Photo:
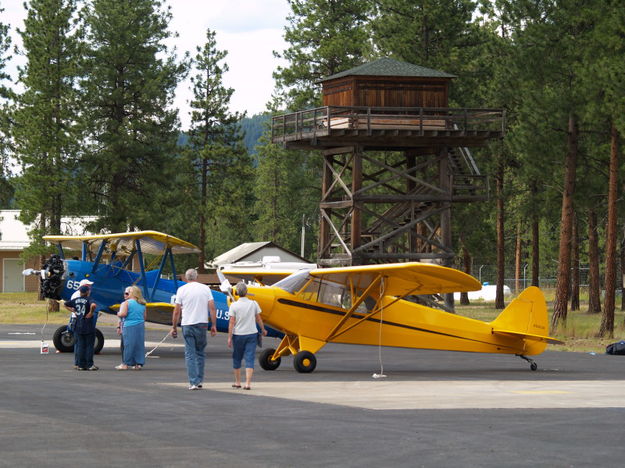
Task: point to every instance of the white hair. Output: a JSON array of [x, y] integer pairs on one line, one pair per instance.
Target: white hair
[[241, 289], [191, 274]]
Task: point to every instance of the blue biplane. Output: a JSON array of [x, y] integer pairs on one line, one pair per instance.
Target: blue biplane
[[113, 262]]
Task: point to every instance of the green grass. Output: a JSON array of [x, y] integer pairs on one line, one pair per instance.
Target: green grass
[[26, 308], [579, 333]]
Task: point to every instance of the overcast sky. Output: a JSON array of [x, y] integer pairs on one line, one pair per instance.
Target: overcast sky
[[249, 30]]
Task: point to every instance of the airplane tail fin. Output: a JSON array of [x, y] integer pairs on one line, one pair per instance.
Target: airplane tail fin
[[526, 317]]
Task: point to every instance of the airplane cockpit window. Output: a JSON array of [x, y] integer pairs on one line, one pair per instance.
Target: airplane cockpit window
[[294, 282], [326, 292]]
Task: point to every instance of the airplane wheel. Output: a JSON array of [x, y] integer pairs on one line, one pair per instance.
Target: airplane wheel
[[63, 340], [304, 362], [99, 342], [265, 361], [533, 366]]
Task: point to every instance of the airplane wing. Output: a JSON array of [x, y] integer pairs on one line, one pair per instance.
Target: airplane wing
[[402, 279], [266, 278], [152, 242], [157, 312]]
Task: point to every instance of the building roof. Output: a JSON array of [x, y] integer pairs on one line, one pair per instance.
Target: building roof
[[14, 233], [244, 250], [390, 67]]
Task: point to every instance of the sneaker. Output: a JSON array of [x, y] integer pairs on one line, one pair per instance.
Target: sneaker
[[94, 368], [193, 387], [82, 368]]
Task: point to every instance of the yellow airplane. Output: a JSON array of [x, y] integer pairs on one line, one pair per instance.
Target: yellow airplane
[[366, 305]]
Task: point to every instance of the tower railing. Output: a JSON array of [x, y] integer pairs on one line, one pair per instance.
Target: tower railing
[[323, 121]]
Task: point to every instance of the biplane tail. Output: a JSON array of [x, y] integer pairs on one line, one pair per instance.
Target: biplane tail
[[526, 317]]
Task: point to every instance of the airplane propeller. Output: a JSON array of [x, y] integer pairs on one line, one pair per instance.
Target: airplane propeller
[[33, 272], [224, 284]]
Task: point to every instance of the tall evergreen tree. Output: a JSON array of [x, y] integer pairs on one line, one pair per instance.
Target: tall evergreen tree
[[45, 131], [325, 37], [221, 165], [278, 220], [6, 101], [602, 73], [131, 128], [438, 34]]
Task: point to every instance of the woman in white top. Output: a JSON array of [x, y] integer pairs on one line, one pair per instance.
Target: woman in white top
[[243, 334]]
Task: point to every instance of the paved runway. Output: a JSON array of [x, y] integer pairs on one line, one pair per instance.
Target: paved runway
[[432, 409]]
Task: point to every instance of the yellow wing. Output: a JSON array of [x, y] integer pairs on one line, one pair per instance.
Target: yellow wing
[[402, 279], [152, 242], [266, 278]]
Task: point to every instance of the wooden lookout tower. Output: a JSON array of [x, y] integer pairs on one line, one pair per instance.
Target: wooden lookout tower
[[395, 160]]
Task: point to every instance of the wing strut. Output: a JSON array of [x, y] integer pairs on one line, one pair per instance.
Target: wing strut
[[354, 306], [98, 257], [160, 272], [378, 307], [144, 282]]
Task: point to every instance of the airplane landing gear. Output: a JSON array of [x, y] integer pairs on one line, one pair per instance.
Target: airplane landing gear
[[265, 361], [63, 340], [304, 362], [533, 365]]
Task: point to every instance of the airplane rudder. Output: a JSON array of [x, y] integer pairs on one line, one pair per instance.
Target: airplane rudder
[[527, 313]]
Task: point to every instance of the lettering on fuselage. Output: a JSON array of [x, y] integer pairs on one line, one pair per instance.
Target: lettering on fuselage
[[222, 314]]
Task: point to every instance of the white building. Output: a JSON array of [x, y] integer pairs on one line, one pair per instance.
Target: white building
[[14, 239]]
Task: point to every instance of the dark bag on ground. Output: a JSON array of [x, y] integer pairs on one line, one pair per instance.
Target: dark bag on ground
[[616, 348]]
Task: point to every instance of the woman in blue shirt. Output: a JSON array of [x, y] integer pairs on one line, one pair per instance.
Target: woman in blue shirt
[[132, 313]]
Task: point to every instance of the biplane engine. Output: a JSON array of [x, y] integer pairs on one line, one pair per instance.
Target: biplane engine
[[52, 277]]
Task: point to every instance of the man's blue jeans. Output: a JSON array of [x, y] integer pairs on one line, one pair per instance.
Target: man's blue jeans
[[194, 344]]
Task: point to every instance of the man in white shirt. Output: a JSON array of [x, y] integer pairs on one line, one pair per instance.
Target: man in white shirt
[[193, 302]]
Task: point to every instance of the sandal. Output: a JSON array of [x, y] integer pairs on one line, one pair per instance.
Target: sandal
[[247, 388], [138, 367], [121, 367], [236, 386]]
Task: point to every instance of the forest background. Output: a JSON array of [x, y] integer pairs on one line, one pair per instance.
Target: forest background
[[93, 130]]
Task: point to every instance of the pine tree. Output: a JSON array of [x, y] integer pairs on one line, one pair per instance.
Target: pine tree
[[131, 128], [325, 37], [221, 166], [7, 98], [45, 131], [278, 220]]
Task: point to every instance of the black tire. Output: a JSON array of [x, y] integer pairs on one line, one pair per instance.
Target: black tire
[[265, 361], [99, 342], [304, 362], [63, 340], [533, 366]]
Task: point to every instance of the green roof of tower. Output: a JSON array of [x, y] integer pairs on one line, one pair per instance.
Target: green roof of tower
[[390, 67]]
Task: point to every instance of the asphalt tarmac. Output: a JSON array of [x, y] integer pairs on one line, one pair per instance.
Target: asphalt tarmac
[[433, 409]]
